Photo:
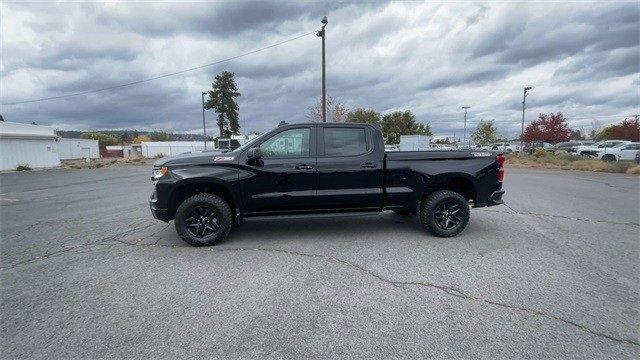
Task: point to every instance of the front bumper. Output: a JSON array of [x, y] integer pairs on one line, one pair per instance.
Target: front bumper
[[158, 213]]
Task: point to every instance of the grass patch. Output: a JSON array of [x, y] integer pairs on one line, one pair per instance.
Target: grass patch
[[23, 167], [567, 161]]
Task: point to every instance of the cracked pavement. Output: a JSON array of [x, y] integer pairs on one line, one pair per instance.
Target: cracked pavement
[[86, 272]]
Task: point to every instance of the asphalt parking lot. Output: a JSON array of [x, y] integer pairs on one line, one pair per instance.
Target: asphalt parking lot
[[86, 272]]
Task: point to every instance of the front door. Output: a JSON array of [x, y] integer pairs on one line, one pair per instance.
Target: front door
[[284, 179]]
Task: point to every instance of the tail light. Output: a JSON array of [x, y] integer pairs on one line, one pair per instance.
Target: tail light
[[500, 160]]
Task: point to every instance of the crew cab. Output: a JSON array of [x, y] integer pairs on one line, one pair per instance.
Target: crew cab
[[321, 168]]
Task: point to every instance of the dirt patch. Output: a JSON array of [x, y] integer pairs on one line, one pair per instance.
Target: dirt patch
[[105, 162]]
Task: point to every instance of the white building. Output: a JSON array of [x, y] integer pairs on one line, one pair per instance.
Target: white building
[[169, 148], [25, 144], [78, 149]]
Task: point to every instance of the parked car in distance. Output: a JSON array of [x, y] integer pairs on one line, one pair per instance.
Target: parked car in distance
[[570, 146], [321, 168], [440, 147], [627, 151], [592, 150], [506, 147]]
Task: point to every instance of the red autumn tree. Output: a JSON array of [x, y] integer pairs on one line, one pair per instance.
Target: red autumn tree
[[551, 128], [629, 129]]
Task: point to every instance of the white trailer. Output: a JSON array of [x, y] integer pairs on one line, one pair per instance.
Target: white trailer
[[70, 149], [24, 144], [414, 143]]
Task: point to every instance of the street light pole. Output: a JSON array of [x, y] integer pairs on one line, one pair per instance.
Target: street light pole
[[321, 33], [524, 100], [204, 125], [465, 124]]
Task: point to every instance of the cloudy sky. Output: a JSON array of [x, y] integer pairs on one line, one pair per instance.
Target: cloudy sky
[[582, 58]]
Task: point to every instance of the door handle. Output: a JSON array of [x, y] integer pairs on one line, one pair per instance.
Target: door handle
[[304, 167], [369, 165]]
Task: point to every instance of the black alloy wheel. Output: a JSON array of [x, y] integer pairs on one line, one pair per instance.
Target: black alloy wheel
[[203, 219], [445, 213]]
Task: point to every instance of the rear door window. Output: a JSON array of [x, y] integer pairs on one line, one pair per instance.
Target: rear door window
[[344, 141]]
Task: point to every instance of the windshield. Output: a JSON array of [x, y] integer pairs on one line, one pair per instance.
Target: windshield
[[250, 143]]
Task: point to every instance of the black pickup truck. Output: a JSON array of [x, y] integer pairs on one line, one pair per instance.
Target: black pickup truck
[[322, 168]]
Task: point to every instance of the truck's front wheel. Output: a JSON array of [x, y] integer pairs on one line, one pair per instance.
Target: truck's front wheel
[[203, 219], [445, 213]]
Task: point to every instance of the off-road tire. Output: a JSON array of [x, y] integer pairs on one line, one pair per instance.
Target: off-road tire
[[431, 204], [223, 214]]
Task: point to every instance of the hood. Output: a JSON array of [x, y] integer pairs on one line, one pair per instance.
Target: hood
[[203, 157]]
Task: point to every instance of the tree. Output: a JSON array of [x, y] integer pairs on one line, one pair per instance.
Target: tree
[[336, 111], [103, 139], [140, 138], [160, 136], [551, 128], [576, 135], [628, 129], [402, 123], [485, 133], [223, 100], [367, 116], [125, 138]]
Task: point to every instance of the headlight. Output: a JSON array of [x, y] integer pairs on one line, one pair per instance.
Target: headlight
[[159, 173]]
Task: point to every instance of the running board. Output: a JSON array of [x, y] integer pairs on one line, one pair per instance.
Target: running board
[[312, 215]]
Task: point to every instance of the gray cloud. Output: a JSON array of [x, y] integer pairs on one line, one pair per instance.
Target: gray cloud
[[582, 59]]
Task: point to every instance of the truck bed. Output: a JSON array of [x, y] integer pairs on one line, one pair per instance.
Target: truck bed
[[411, 174]]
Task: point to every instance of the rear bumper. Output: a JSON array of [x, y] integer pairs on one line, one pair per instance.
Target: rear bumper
[[496, 198]]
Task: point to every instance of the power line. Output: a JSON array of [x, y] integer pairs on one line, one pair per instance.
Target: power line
[[160, 76]]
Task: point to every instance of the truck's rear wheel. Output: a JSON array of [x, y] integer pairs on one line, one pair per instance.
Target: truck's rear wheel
[[203, 219], [445, 213]]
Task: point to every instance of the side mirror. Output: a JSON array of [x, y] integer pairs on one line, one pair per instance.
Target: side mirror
[[254, 153]]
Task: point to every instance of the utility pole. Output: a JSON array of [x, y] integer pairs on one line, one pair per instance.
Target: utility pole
[[321, 33], [204, 125], [524, 100], [465, 123]]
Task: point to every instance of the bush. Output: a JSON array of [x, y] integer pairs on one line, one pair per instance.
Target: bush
[[23, 167], [538, 153]]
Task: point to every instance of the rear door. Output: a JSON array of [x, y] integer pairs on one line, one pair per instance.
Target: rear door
[[349, 170], [284, 180]]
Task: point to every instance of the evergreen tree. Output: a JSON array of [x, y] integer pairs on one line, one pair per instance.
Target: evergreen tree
[[223, 100]]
